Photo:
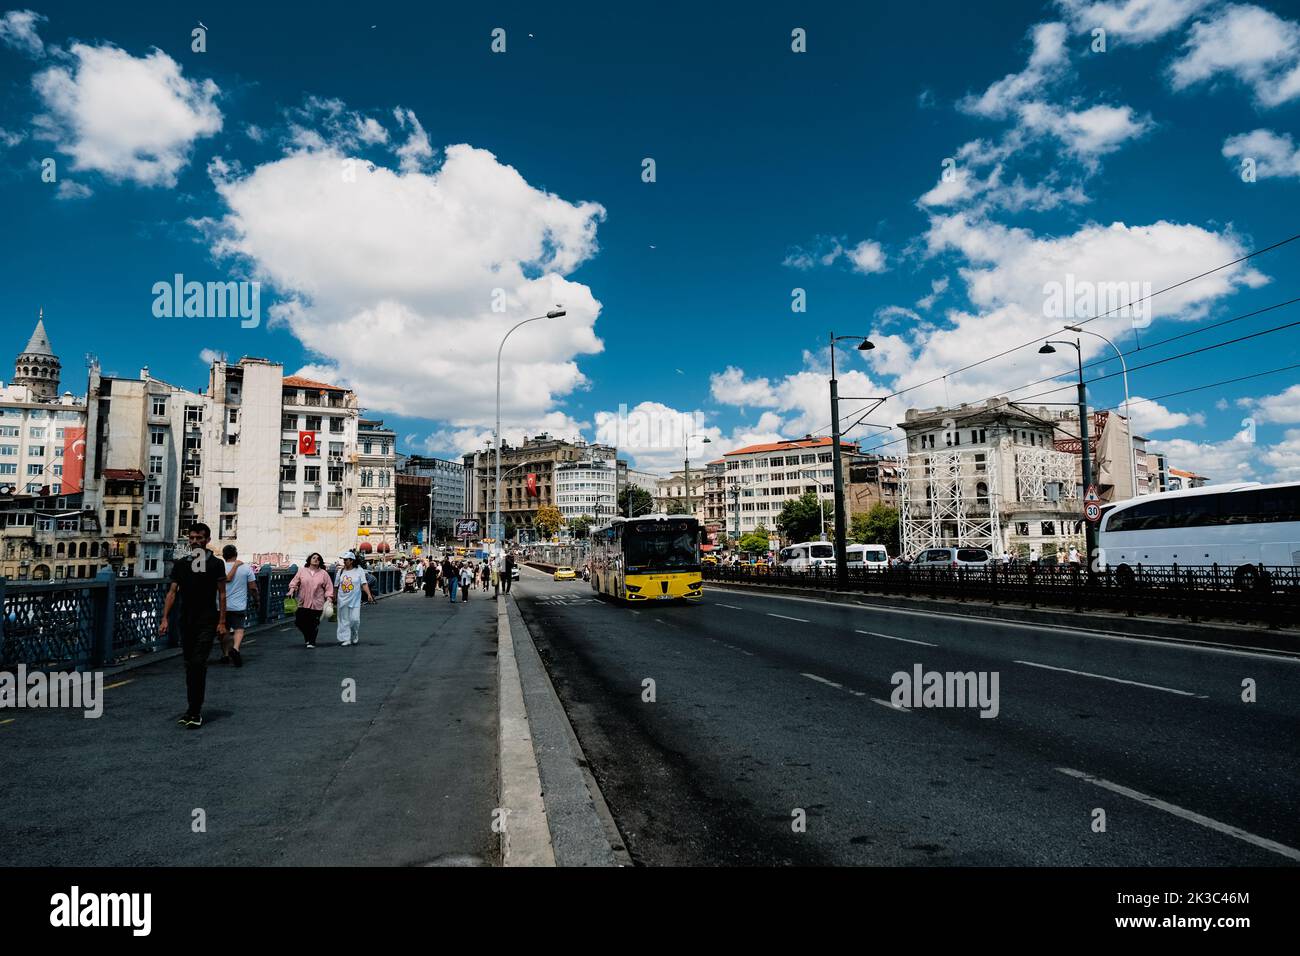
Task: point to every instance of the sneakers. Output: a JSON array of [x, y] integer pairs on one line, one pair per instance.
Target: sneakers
[[190, 720], [310, 646], [236, 658]]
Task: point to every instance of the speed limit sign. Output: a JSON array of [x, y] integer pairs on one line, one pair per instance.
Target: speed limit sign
[[1092, 511]]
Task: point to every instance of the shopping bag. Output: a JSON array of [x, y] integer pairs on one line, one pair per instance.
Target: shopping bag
[[329, 613], [290, 605]]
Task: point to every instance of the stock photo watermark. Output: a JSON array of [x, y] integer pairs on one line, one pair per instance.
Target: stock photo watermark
[[37, 689], [209, 300], [1078, 299], [957, 689]]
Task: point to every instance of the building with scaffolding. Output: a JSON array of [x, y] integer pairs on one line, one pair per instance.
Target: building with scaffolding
[[988, 476]]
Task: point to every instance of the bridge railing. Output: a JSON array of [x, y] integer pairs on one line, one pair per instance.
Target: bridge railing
[[101, 621], [1269, 595]]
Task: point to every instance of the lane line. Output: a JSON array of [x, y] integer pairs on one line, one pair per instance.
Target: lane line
[[1117, 680], [732, 606], [119, 683], [885, 703], [1204, 646], [891, 637], [785, 617], [9, 721], [1272, 845], [823, 680]]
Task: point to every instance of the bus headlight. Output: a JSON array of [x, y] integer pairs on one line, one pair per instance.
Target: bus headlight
[[633, 587]]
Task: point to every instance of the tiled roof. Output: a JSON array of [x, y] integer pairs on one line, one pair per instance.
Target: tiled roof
[[297, 381], [124, 474], [788, 445]]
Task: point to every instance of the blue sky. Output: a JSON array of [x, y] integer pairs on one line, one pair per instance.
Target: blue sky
[[775, 170]]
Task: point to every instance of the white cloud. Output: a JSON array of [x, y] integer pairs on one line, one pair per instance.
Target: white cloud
[[865, 257], [391, 279], [1233, 459], [1282, 408], [1283, 459], [730, 387], [1150, 416], [70, 190], [18, 30], [208, 356], [9, 139], [887, 315], [1049, 56], [416, 152], [1275, 155], [1130, 21], [130, 118], [1087, 133], [937, 288], [1253, 44]]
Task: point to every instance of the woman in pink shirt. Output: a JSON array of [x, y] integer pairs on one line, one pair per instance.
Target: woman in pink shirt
[[312, 587]]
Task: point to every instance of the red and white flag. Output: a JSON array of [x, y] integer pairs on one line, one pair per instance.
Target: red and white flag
[[74, 460]]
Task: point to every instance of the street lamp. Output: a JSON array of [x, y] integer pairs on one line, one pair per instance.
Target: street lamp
[[496, 438], [1089, 535], [706, 441], [1132, 454], [841, 532]]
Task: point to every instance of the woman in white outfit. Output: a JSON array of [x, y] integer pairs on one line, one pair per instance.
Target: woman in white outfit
[[349, 586]]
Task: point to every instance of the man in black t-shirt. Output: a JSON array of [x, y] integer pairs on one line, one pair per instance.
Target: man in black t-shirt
[[200, 579]]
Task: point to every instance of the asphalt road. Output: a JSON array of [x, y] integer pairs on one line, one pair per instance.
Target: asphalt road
[[284, 770], [765, 707]]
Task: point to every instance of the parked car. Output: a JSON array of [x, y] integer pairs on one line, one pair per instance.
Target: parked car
[[952, 558], [564, 574]]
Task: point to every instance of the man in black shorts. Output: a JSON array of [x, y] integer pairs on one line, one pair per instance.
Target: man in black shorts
[[200, 579]]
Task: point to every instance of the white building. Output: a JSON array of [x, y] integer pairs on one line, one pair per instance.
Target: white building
[[376, 495], [760, 479], [275, 470], [34, 420], [588, 487]]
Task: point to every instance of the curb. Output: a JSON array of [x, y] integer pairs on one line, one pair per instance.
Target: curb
[[1151, 628], [525, 833]]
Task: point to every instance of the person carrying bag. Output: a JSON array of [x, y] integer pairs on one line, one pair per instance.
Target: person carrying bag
[[313, 594]]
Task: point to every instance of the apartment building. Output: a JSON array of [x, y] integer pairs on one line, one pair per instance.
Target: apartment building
[[760, 479], [446, 479], [588, 487]]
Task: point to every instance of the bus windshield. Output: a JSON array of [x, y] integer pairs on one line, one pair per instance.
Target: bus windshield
[[664, 549]]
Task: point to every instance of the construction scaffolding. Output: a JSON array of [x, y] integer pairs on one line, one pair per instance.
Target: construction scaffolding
[[1044, 476], [950, 499]]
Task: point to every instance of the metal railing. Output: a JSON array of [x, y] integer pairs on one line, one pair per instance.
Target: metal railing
[[102, 621], [1269, 595]]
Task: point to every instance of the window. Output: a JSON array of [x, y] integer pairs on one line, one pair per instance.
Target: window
[[289, 422], [311, 473], [336, 425], [1047, 529], [232, 416], [194, 414], [159, 405], [157, 437], [288, 472], [155, 494], [10, 431], [8, 451], [1022, 528], [34, 470], [334, 499], [288, 447], [36, 433], [808, 459], [311, 499], [335, 473], [108, 519], [150, 564], [151, 523], [313, 423], [36, 451], [135, 517], [288, 499], [155, 464], [336, 448], [365, 448]]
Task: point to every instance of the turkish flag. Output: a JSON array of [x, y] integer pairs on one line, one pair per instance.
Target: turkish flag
[[306, 443], [74, 460], [531, 484]]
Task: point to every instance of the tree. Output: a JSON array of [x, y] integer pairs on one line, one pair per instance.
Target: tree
[[878, 525], [756, 540], [548, 520], [675, 507], [580, 526], [801, 518], [641, 500]]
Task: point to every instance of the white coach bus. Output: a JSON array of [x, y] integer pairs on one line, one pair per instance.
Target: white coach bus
[[1242, 527]]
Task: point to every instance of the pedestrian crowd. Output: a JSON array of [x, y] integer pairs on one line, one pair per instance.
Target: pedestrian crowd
[[215, 591]]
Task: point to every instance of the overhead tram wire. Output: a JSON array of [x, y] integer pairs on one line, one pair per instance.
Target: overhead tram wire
[[1152, 295]]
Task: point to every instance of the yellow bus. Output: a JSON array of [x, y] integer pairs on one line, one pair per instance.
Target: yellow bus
[[650, 558]]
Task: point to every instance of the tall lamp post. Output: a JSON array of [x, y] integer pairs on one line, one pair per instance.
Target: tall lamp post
[[687, 462], [1089, 533], [820, 500], [1132, 454], [841, 531], [496, 437]]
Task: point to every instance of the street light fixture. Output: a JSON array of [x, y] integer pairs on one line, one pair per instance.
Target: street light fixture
[[706, 441], [841, 531], [1132, 454], [496, 437], [1089, 535]]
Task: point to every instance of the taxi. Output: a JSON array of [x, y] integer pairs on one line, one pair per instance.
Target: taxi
[[564, 574]]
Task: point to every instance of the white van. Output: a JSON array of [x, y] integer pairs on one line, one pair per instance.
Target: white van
[[867, 556], [809, 554]]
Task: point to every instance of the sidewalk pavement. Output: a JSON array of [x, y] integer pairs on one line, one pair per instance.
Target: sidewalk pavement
[[284, 770]]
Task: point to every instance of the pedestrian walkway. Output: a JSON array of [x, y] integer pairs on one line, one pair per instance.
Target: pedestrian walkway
[[284, 770]]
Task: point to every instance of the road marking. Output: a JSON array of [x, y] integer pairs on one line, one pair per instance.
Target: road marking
[[9, 721], [119, 683], [1279, 848], [823, 680], [891, 706], [785, 618], [1210, 647], [1117, 680], [890, 637], [732, 606]]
